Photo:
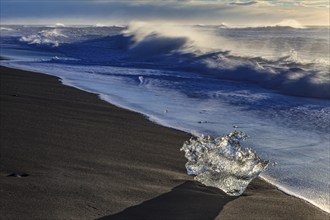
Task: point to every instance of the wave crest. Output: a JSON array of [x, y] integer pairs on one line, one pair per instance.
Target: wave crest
[[154, 45], [45, 37], [221, 162]]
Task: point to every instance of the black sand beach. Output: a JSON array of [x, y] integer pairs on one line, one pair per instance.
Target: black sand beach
[[65, 154]]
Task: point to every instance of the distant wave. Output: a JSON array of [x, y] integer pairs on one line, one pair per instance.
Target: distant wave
[[289, 23], [48, 37], [6, 29]]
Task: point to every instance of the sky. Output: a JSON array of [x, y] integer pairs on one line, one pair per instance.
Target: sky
[[110, 12]]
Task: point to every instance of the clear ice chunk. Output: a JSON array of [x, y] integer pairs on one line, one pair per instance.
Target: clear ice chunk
[[221, 162]]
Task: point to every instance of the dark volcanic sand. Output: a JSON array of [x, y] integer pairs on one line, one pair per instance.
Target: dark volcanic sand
[[71, 155]]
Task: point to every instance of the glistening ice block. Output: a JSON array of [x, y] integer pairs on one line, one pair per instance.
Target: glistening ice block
[[222, 162]]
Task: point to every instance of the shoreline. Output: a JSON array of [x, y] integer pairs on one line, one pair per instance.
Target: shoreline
[[64, 81], [147, 170]]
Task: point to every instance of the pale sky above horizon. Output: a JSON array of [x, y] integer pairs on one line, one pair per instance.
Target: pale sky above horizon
[[109, 12]]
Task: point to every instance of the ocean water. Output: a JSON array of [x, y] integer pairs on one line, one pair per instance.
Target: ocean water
[[271, 82]]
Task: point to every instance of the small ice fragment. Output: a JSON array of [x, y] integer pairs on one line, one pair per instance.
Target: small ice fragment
[[141, 79]]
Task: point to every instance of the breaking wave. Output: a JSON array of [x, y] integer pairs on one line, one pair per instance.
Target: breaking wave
[[214, 54], [221, 162]]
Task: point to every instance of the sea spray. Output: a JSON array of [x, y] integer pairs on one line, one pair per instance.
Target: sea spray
[[221, 162]]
